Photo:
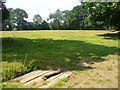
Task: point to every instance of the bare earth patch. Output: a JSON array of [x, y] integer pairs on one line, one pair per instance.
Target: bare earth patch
[[104, 75]]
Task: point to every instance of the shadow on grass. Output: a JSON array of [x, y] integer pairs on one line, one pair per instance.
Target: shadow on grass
[[48, 54], [114, 36]]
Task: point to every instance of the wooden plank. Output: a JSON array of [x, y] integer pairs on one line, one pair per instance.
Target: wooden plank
[[54, 77], [66, 74], [29, 76], [35, 75], [38, 80]]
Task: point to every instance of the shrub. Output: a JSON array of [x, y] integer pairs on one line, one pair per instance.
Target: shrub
[[12, 70]]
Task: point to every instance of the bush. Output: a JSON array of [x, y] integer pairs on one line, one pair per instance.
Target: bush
[[12, 70]]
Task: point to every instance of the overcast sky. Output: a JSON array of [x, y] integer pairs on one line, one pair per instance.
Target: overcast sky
[[42, 7]]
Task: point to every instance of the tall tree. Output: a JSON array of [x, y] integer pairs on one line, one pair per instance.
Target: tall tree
[[19, 16], [45, 25], [105, 14], [9, 24], [63, 23], [3, 9], [17, 19], [75, 19], [37, 20], [56, 18]]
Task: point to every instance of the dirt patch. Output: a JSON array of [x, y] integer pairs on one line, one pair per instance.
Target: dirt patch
[[105, 75]]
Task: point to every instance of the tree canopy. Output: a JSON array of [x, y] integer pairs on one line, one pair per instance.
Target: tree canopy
[[3, 9], [87, 16], [105, 14]]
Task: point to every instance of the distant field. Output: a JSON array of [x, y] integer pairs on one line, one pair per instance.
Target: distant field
[[90, 55]]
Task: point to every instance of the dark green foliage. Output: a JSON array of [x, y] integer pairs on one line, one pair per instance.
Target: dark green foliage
[[75, 19], [37, 19], [5, 13], [105, 14], [39, 24], [56, 19], [45, 25], [16, 20]]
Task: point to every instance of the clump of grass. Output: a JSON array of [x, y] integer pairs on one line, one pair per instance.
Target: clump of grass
[[9, 85], [41, 84], [91, 87], [101, 81], [86, 83], [77, 72], [61, 82], [12, 70], [69, 86], [109, 68]]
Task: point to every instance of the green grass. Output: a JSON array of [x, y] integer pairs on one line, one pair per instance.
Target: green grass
[[25, 51], [101, 81], [61, 82], [9, 85]]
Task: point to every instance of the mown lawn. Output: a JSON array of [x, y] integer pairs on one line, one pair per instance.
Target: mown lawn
[[76, 51]]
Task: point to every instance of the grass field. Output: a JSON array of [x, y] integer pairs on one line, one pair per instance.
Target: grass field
[[90, 55]]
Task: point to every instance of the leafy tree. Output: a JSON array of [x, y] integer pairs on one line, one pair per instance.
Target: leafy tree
[[63, 23], [56, 19], [45, 25], [29, 26], [37, 20], [75, 19], [8, 23], [18, 18], [3, 9], [104, 14]]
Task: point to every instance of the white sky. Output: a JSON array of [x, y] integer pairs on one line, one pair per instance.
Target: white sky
[[42, 7]]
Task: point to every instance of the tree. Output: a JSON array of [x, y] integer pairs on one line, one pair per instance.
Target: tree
[[104, 14], [63, 23], [37, 20], [8, 23], [3, 9], [16, 20], [19, 16], [45, 25], [75, 19], [56, 18]]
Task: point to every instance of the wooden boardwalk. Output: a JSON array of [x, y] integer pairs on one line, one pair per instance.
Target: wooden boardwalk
[[38, 77]]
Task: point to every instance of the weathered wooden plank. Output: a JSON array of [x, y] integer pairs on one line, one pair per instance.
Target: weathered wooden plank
[[36, 75], [38, 80], [66, 74], [54, 77], [29, 76]]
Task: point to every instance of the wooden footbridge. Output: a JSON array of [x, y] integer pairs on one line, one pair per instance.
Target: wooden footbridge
[[38, 77]]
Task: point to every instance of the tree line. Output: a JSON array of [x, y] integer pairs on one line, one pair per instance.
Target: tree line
[[87, 16]]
